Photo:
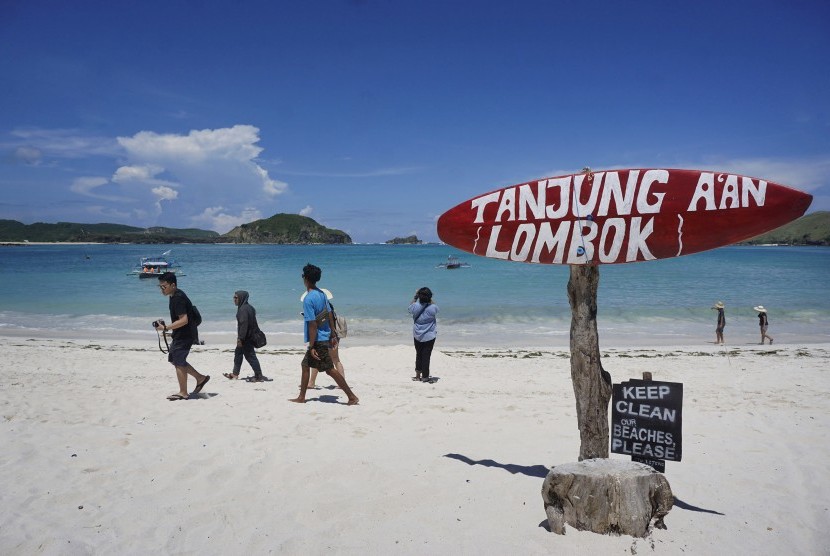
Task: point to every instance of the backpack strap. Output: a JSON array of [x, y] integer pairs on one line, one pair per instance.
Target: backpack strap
[[421, 312], [324, 315]]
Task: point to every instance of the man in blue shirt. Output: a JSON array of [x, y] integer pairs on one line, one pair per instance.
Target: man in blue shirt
[[319, 333]]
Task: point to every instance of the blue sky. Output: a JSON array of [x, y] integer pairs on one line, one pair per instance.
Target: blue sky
[[374, 117]]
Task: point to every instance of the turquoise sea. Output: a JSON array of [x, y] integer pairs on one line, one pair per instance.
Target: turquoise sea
[[83, 291]]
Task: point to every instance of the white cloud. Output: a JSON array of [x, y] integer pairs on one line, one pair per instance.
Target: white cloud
[[215, 218], [28, 155], [378, 173], [163, 193], [85, 185], [271, 187], [306, 211], [63, 143], [91, 186], [213, 168], [138, 173], [234, 143], [805, 174]]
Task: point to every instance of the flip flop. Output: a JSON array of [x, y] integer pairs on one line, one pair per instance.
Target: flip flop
[[176, 397], [230, 376], [201, 385]]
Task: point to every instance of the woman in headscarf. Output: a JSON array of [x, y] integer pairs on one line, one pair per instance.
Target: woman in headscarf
[[246, 325]]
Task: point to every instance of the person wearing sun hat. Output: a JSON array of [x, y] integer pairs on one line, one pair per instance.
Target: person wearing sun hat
[[721, 322], [763, 322]]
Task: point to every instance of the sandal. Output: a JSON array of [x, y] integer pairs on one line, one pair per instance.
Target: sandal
[[176, 397], [201, 385], [230, 376]]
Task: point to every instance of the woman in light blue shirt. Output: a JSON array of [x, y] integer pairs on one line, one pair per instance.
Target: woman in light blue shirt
[[424, 331]]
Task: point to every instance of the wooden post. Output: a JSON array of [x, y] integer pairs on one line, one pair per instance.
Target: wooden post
[[592, 384]]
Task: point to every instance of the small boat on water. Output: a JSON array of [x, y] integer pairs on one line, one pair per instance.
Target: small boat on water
[[453, 263], [153, 267]]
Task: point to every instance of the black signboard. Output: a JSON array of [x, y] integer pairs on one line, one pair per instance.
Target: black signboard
[[656, 464], [646, 420]]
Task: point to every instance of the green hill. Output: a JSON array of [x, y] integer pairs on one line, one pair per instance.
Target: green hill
[[812, 229], [286, 228], [12, 230]]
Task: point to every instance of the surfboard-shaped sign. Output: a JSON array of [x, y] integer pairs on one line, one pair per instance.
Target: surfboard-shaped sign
[[619, 216]]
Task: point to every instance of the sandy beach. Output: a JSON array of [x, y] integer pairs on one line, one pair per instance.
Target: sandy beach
[[97, 461]]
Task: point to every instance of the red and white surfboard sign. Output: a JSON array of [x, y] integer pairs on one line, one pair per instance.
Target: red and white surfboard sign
[[619, 216]]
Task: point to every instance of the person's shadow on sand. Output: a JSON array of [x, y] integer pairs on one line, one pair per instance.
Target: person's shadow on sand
[[327, 399], [678, 503], [202, 396]]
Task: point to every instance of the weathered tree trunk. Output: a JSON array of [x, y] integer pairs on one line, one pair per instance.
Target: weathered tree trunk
[[606, 496], [592, 385]]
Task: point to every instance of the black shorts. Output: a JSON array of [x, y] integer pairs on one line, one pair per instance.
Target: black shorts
[[325, 363], [179, 350]]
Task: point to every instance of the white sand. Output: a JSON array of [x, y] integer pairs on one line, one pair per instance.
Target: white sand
[[96, 460]]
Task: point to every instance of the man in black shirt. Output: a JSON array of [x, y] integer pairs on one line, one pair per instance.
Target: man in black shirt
[[184, 335]]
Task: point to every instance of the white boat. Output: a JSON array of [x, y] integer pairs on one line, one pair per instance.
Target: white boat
[[153, 267]]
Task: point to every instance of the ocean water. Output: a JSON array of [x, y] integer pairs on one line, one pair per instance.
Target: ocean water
[[84, 291]]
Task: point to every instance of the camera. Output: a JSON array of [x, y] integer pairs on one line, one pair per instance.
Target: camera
[[157, 323]]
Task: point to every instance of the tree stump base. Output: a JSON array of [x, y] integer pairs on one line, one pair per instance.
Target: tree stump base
[[606, 496]]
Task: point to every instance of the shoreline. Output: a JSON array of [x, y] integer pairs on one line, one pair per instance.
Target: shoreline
[[11, 243], [290, 336]]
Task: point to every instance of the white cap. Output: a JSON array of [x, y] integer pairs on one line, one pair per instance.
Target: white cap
[[329, 295]]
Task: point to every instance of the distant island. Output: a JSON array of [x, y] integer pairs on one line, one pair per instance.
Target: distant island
[[409, 240], [811, 229], [286, 229], [280, 228], [12, 230]]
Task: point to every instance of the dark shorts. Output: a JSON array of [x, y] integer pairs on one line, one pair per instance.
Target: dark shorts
[[179, 350], [325, 363]]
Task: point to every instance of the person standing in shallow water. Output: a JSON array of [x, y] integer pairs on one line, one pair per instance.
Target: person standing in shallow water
[[721, 322], [246, 325], [320, 334], [424, 331], [763, 323]]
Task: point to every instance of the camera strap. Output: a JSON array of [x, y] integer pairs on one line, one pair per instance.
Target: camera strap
[[160, 334]]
